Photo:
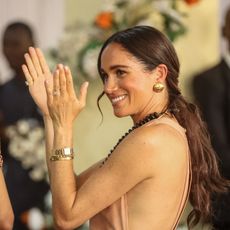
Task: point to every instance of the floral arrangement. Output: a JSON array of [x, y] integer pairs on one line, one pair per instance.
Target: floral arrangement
[[80, 45], [27, 144]]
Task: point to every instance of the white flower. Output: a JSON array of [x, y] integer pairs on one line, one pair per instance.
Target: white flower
[[10, 131], [27, 145], [90, 62], [35, 219], [37, 174], [23, 127], [36, 134]]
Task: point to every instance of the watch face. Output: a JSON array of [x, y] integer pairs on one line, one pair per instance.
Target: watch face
[[67, 151], [64, 152]]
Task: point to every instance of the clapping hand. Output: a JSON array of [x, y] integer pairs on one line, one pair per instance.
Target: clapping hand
[[36, 72], [63, 104], [53, 94]]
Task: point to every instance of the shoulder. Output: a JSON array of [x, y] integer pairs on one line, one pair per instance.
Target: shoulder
[[154, 146], [156, 134]]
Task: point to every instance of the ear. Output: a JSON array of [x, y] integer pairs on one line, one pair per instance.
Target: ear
[[160, 73]]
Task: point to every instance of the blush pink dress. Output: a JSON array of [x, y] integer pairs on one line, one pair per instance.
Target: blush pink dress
[[115, 217]]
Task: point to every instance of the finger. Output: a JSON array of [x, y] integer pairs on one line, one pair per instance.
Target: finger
[[56, 87], [69, 82], [30, 66], [35, 60], [28, 77], [62, 81], [42, 60], [49, 92], [83, 93]]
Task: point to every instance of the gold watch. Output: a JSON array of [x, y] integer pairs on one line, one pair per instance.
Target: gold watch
[[62, 154]]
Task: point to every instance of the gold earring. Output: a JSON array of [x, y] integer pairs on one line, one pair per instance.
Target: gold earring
[[158, 87]]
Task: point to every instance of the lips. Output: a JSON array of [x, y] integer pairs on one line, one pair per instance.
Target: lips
[[115, 100]]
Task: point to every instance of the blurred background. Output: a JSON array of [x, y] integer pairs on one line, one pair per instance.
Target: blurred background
[[71, 31]]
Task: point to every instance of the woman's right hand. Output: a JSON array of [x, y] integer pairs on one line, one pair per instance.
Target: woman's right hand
[[36, 72]]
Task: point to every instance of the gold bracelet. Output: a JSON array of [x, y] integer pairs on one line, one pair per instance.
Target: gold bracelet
[[62, 154], [59, 158]]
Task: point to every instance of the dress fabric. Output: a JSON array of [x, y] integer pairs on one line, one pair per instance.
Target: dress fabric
[[115, 217]]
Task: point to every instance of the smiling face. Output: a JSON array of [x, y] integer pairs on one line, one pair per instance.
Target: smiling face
[[127, 83]]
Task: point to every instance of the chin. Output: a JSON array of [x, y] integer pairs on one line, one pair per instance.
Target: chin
[[120, 114]]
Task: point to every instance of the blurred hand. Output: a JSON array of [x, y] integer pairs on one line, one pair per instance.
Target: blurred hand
[[36, 72]]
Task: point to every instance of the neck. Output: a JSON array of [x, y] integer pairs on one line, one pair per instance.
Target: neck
[[157, 103]]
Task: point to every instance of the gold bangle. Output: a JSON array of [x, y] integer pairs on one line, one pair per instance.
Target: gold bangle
[[59, 158]]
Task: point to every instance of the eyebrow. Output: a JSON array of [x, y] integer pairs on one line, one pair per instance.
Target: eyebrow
[[115, 67]]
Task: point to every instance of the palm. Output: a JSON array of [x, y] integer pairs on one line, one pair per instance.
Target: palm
[[38, 92], [37, 72]]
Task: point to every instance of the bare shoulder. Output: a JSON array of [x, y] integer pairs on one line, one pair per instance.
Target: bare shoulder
[[156, 146]]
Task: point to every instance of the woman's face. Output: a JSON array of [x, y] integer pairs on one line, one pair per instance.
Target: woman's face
[[127, 84]]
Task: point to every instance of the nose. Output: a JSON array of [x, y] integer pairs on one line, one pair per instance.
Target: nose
[[110, 85]]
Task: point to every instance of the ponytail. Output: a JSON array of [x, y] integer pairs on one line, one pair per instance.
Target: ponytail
[[206, 179]]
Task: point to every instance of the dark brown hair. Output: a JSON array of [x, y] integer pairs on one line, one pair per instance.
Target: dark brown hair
[[14, 26], [152, 48]]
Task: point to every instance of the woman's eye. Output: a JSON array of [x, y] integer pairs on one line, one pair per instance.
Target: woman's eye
[[120, 72]]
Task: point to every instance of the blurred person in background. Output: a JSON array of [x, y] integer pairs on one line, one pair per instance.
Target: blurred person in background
[[16, 104], [212, 94]]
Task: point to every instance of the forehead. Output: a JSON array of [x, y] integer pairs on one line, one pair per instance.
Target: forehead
[[115, 54]]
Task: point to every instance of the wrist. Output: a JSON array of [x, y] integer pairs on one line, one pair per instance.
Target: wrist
[[62, 138], [47, 118]]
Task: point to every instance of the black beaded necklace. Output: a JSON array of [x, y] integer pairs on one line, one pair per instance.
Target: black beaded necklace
[[148, 118]]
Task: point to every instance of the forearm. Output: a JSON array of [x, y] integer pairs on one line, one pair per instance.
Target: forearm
[[49, 135], [63, 181], [6, 212]]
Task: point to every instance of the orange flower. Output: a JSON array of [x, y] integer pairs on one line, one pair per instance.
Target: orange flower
[[190, 2], [104, 20]]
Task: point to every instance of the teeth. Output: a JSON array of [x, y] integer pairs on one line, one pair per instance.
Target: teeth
[[115, 100]]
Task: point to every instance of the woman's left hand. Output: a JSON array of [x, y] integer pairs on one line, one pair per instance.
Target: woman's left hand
[[64, 106]]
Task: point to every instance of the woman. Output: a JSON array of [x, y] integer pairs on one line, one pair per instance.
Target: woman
[[6, 212], [162, 160]]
